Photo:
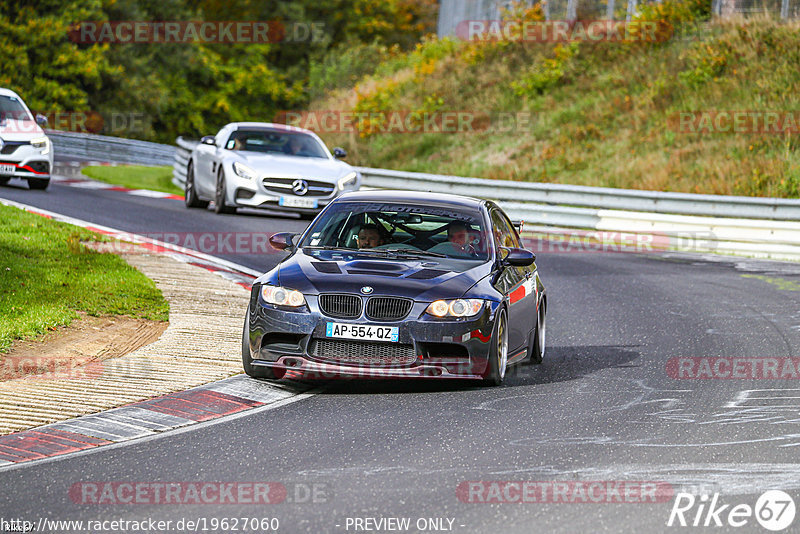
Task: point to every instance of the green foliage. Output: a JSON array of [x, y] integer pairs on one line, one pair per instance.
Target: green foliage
[[345, 65], [601, 113], [47, 276], [548, 73], [194, 88], [135, 177]]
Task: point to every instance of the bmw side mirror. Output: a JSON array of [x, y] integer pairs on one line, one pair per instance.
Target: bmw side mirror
[[518, 225], [519, 257], [339, 153], [282, 241], [207, 140], [41, 120]]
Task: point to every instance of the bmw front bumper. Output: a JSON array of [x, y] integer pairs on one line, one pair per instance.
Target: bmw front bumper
[[427, 347]]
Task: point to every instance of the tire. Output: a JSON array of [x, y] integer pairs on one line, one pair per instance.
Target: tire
[[498, 354], [4, 180], [219, 196], [537, 343], [38, 183], [256, 371], [190, 191]]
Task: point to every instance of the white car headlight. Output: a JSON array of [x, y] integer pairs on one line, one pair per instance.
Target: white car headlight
[[244, 171], [348, 181], [455, 308], [281, 296], [41, 142]]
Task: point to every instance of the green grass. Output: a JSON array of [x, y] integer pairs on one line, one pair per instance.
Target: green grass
[[604, 114], [135, 177], [47, 276]]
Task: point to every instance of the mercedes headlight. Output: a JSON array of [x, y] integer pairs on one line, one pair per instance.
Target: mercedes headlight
[[281, 296], [455, 308], [43, 143], [348, 181], [244, 171]]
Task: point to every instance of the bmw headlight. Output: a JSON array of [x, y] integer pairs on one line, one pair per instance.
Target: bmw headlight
[[43, 143], [455, 308], [244, 171], [348, 181], [281, 296]]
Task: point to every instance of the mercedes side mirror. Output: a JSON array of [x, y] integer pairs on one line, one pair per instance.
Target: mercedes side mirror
[[519, 257], [339, 153], [207, 140], [282, 241], [41, 120]]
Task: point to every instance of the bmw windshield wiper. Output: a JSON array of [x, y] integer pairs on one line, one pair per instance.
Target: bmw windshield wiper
[[406, 252], [328, 247], [415, 252]]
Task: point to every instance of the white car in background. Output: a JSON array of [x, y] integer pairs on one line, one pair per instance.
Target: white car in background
[[25, 151], [265, 165]]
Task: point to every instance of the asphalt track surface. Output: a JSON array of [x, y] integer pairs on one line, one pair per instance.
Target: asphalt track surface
[[602, 406]]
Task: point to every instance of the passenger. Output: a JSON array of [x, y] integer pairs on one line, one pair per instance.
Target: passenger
[[369, 236], [458, 233]]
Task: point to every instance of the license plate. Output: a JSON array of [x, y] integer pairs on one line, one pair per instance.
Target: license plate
[[7, 169], [363, 332], [297, 202]]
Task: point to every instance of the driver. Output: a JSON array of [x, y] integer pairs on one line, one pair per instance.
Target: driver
[[369, 236], [296, 145], [458, 233]]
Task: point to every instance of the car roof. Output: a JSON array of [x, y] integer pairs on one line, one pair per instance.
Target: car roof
[[413, 197], [8, 92], [269, 125]]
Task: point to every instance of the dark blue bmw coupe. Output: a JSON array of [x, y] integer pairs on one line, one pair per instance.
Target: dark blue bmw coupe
[[398, 284]]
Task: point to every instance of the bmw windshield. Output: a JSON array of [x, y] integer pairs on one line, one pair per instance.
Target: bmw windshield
[[393, 230]]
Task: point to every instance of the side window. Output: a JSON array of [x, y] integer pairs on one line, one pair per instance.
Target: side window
[[504, 233]]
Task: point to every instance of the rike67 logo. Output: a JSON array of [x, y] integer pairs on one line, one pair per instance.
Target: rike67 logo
[[774, 510]]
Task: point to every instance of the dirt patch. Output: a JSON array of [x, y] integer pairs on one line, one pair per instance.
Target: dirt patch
[[78, 350]]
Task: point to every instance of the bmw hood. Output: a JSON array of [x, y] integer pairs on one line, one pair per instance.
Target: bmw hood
[[280, 166], [424, 280]]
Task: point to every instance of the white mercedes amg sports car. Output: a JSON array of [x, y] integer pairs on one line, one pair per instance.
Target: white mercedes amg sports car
[[264, 165]]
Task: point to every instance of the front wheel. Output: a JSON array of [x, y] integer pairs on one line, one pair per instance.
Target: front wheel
[[190, 190], [219, 197], [4, 180], [498, 353], [38, 183], [251, 370]]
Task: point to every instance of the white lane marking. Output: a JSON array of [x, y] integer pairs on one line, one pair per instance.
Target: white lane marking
[[247, 388], [170, 433], [148, 193], [147, 418]]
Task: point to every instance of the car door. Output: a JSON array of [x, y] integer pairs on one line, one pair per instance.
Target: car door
[[517, 283], [206, 166]]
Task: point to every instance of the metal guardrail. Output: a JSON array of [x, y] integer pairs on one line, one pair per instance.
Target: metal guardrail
[[761, 227], [181, 160], [592, 197], [89, 147]]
